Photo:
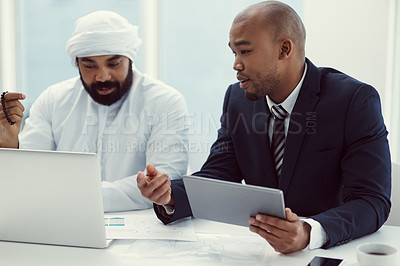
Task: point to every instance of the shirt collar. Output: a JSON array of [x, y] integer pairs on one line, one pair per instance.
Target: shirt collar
[[289, 102]]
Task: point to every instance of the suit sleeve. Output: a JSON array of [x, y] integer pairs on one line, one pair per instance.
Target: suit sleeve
[[366, 173], [221, 164]]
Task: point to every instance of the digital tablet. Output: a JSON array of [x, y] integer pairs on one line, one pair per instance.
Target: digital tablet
[[230, 202]]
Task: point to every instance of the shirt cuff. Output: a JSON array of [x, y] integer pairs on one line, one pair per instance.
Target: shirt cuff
[[317, 234], [169, 209]]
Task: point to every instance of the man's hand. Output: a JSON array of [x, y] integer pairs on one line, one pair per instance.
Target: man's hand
[[14, 109], [284, 236], [155, 186]]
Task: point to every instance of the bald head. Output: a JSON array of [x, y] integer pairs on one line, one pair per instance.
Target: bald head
[[279, 17]]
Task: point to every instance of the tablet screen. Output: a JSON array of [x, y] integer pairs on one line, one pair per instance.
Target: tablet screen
[[230, 202]]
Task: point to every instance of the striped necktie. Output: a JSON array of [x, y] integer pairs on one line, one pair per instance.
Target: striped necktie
[[278, 137]]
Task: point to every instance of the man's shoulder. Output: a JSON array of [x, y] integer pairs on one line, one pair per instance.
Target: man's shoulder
[[61, 90], [148, 83], [329, 80], [65, 86], [150, 88], [331, 75], [68, 83], [337, 86]]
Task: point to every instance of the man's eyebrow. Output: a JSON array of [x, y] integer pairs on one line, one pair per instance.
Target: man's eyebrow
[[113, 58], [239, 43], [85, 59]]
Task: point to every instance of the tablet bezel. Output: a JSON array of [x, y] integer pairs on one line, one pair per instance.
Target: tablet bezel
[[229, 202]]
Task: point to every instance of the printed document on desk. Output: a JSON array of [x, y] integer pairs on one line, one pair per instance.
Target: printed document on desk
[[145, 225]]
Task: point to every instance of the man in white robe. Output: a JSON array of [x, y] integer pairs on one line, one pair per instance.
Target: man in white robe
[[127, 118]]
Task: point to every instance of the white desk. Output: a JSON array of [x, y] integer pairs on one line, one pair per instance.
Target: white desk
[[218, 244]]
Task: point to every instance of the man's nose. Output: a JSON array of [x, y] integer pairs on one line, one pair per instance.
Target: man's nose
[[238, 66], [103, 74]]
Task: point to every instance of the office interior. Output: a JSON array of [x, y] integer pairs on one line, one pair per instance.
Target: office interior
[[185, 46]]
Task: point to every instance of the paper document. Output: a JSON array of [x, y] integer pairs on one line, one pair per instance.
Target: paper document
[[145, 225], [208, 249]]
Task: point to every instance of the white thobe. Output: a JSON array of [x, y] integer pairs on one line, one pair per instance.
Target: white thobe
[[148, 125]]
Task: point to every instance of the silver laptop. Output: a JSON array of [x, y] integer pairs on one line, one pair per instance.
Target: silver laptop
[[51, 197], [230, 202]]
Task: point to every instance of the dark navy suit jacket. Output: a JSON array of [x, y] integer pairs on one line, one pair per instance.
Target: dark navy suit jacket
[[336, 167]]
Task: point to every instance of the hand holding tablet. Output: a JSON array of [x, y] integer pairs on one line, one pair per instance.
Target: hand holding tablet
[[232, 203]]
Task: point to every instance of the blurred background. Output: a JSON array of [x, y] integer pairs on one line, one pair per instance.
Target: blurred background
[[185, 46]]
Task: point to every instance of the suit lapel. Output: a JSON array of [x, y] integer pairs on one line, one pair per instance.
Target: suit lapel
[[304, 107]]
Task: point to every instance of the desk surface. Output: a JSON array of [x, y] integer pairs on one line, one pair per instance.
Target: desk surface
[[217, 244]]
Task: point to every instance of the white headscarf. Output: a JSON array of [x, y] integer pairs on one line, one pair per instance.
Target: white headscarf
[[103, 33]]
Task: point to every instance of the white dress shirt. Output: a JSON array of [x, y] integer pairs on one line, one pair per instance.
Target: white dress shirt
[[148, 125], [318, 234]]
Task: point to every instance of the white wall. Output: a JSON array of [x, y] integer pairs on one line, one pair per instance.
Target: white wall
[[351, 36], [392, 93], [8, 44]]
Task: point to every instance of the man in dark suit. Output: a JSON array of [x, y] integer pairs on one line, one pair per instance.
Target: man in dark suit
[[332, 161]]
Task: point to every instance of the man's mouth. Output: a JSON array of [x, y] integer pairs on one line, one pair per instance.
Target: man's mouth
[[105, 91], [243, 82]]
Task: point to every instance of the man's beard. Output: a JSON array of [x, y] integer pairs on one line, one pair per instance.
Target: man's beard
[[268, 84], [118, 93]]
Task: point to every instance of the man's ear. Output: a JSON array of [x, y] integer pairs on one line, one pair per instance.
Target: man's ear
[[286, 48]]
